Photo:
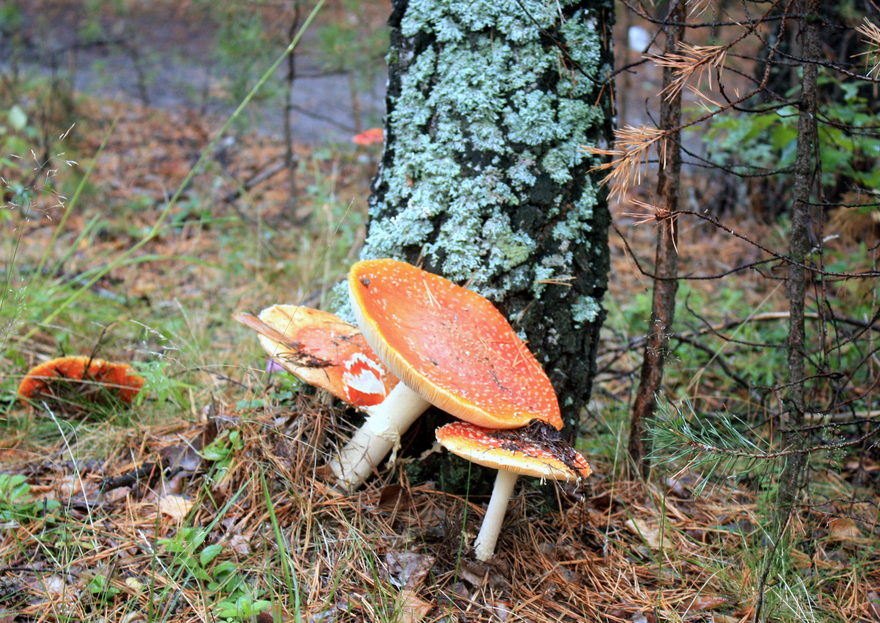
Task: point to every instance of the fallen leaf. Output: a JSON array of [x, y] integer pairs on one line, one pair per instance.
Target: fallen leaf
[[648, 531], [707, 602], [392, 495], [480, 574], [114, 495], [474, 574], [843, 529], [175, 506], [412, 609], [54, 585], [677, 487], [134, 584], [874, 602], [240, 544], [407, 569], [182, 455], [500, 609]]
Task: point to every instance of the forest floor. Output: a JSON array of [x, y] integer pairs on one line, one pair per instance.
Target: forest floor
[[206, 499]]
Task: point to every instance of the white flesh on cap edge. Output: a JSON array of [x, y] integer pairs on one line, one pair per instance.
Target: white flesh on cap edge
[[484, 545], [380, 433]]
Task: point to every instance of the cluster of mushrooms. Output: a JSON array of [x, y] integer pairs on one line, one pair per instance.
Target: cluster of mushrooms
[[423, 340]]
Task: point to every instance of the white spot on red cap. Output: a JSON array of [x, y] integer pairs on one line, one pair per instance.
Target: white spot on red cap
[[363, 381]]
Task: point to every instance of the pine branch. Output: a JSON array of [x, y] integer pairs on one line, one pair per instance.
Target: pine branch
[[768, 456], [871, 33], [691, 63]]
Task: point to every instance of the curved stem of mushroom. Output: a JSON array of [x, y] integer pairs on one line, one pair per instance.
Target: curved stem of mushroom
[[484, 545], [380, 433]]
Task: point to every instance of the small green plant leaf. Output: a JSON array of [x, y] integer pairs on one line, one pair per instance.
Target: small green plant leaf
[[209, 554]]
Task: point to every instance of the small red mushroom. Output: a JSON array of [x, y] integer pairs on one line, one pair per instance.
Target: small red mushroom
[[528, 451], [322, 350]]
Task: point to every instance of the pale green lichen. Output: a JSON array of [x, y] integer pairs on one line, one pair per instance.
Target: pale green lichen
[[505, 246], [585, 309], [479, 98], [531, 118], [579, 219], [553, 268]]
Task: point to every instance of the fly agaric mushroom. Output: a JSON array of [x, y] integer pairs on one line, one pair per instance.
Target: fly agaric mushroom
[[322, 350], [529, 451], [450, 347], [86, 372]]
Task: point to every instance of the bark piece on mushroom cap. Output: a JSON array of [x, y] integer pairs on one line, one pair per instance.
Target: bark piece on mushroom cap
[[529, 451], [450, 345], [80, 374], [322, 350], [515, 450]]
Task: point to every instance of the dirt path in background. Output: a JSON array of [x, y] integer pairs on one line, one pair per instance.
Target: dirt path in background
[[168, 60]]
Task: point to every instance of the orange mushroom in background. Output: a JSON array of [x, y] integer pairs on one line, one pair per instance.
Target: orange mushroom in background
[[84, 375], [372, 136]]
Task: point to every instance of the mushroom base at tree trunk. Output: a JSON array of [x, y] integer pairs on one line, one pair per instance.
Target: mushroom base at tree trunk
[[484, 179]]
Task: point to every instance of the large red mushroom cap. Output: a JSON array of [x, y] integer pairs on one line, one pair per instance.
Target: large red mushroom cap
[[86, 373], [450, 345], [322, 350], [513, 450]]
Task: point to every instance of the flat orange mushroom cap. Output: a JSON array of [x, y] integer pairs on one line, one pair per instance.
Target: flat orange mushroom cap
[[450, 345], [515, 453], [117, 377]]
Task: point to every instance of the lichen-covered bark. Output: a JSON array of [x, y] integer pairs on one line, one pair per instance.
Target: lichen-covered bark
[[484, 179]]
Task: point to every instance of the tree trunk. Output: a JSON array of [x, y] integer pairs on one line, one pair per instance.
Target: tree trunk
[[484, 179], [805, 178], [666, 257], [290, 159]]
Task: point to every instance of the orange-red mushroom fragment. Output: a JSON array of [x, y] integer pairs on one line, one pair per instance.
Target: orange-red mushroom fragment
[[372, 136], [83, 374]]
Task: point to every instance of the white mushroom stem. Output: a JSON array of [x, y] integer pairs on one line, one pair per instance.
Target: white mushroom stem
[[380, 433], [484, 546]]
